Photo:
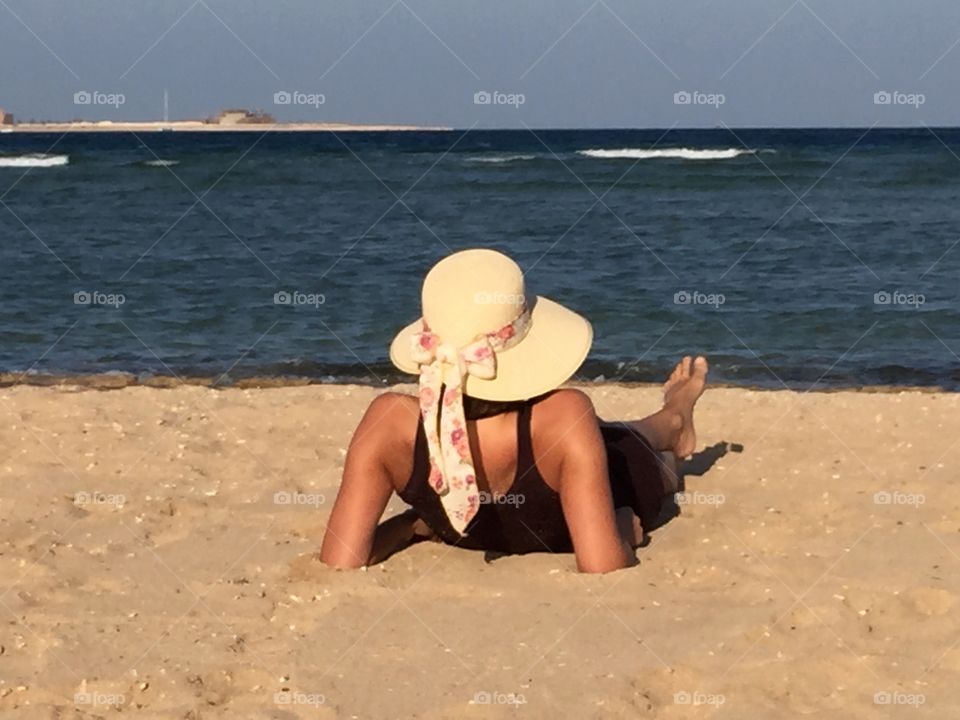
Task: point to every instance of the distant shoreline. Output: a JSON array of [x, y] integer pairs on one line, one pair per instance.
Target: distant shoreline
[[199, 126]]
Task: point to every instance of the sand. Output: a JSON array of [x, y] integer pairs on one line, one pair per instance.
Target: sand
[[149, 564]]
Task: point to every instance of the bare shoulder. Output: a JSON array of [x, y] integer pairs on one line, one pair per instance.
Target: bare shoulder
[[387, 433], [568, 398], [564, 409], [394, 405], [391, 415], [564, 424]]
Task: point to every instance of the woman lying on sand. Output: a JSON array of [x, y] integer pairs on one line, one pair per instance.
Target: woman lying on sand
[[492, 455]]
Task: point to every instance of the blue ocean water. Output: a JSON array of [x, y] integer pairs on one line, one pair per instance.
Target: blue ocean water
[[795, 257]]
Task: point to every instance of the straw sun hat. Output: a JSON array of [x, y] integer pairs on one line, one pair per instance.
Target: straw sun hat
[[481, 336], [477, 292]]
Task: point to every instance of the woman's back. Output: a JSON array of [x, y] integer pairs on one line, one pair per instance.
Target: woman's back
[[520, 510]]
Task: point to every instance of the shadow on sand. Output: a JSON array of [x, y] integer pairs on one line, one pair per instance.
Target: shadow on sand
[[697, 466]]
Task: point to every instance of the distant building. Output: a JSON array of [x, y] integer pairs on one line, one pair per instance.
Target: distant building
[[239, 116], [5, 117]]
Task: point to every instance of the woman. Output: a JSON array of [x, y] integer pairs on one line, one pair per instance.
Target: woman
[[492, 455]]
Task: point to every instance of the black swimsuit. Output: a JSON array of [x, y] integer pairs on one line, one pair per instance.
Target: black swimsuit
[[528, 517]]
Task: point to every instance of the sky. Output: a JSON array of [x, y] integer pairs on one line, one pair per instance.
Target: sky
[[488, 63]]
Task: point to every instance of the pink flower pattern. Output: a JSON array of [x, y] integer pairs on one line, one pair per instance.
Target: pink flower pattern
[[442, 372]]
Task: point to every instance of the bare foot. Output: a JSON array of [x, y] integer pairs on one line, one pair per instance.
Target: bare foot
[[680, 394], [680, 373]]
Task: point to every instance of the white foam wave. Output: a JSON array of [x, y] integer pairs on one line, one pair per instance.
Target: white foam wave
[[37, 160], [499, 158], [161, 163], [681, 153]]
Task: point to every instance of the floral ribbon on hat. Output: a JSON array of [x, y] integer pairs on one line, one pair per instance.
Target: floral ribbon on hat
[[443, 369]]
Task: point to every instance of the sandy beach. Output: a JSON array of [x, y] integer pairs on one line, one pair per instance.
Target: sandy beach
[[155, 556]]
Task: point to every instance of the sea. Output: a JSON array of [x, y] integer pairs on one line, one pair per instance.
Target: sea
[[808, 259]]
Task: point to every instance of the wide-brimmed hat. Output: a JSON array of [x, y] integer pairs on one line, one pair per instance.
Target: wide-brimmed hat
[[477, 293]]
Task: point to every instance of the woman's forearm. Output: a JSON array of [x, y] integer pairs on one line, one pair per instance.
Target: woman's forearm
[[394, 535]]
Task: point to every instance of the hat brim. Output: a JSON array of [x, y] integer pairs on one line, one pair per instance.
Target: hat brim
[[549, 354]]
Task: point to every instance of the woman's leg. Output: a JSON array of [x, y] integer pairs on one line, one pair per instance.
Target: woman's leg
[[671, 473], [670, 429], [669, 432], [630, 528]]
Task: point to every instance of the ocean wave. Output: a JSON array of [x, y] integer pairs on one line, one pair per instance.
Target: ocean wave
[[34, 160], [161, 163], [499, 158], [681, 153]]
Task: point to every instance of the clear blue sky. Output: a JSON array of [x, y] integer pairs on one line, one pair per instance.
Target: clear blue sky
[[577, 63]]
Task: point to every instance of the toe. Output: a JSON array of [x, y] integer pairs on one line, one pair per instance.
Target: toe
[[675, 374], [700, 366]]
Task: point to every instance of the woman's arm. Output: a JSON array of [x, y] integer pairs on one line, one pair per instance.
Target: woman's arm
[[399, 532], [352, 538], [585, 494]]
